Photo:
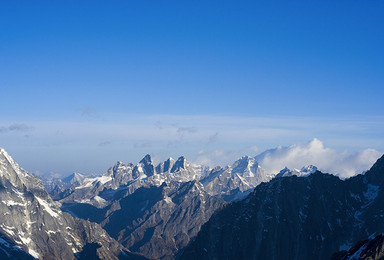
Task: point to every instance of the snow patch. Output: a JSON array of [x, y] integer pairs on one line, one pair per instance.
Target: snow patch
[[25, 240], [86, 185], [99, 199], [13, 203], [47, 208], [33, 253], [168, 200], [8, 229], [104, 179]]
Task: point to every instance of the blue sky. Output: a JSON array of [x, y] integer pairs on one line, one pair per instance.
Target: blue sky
[[84, 84]]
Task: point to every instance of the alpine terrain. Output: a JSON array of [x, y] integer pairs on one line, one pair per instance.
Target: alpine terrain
[[177, 209], [157, 210], [296, 218], [33, 226]]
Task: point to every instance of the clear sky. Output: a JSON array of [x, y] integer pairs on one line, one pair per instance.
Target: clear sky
[[86, 83]]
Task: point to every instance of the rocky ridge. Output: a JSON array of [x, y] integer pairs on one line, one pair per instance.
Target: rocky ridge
[[32, 222]]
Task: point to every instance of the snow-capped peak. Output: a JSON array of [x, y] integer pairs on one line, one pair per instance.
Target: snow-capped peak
[[309, 169], [304, 171], [245, 167]]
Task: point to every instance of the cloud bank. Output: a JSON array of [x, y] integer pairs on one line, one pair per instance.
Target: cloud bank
[[343, 164]]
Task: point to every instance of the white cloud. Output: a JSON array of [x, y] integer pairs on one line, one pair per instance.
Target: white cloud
[[343, 164]]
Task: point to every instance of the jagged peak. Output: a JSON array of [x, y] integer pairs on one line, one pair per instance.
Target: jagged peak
[[181, 158], [179, 164], [146, 160], [119, 163], [170, 159], [304, 171], [7, 159], [6, 155], [244, 162], [245, 158], [12, 171], [310, 168], [117, 166]]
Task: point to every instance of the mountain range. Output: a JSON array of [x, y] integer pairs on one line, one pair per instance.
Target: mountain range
[[177, 209], [296, 218]]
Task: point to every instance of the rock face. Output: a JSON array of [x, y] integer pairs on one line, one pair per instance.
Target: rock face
[[295, 218], [154, 221], [32, 222]]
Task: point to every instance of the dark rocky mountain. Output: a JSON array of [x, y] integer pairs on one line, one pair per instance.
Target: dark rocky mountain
[[296, 218], [155, 221], [32, 222], [372, 248]]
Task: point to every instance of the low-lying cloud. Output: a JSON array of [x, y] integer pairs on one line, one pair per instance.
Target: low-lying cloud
[[343, 164]]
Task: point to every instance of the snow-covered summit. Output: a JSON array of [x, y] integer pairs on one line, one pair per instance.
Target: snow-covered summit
[[303, 172], [234, 182]]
